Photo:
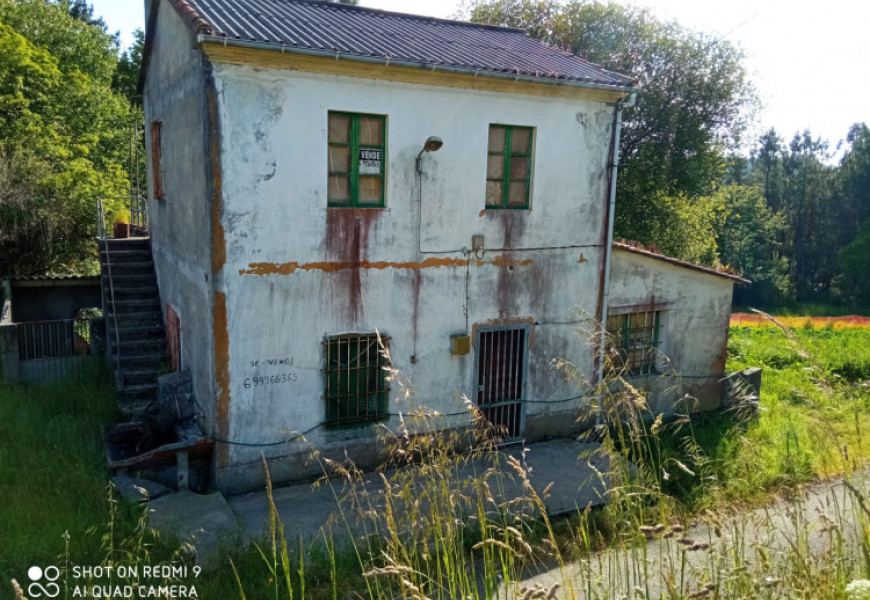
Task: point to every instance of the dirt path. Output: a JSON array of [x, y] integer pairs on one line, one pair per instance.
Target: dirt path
[[820, 525]]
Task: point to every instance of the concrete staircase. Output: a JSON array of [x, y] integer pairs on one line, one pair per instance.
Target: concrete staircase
[[132, 308]]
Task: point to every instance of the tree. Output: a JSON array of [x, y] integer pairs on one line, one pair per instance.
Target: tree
[[72, 41], [125, 80], [694, 101], [81, 10], [854, 259], [64, 138], [747, 231]]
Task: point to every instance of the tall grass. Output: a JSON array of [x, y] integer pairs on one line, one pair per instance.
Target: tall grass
[[52, 466], [432, 531], [444, 523]]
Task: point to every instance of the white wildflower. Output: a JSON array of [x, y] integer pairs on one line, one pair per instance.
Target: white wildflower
[[858, 590]]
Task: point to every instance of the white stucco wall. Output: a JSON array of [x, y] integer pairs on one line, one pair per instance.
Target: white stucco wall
[[695, 309], [180, 223], [285, 292]]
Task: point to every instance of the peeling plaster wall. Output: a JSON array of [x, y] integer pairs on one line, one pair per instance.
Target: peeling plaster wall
[[696, 308], [180, 223], [296, 271]]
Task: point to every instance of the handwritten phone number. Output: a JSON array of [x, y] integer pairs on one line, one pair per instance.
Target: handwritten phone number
[[269, 380]]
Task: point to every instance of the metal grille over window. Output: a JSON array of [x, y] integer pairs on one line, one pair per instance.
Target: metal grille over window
[[635, 341], [356, 387], [501, 374], [509, 167], [356, 160]]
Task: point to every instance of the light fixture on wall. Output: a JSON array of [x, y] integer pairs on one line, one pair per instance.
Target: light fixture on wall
[[433, 142]]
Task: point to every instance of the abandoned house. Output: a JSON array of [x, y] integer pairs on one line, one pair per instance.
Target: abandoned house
[[324, 176]]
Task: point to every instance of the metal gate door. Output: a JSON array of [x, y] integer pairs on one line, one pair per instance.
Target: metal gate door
[[502, 357]]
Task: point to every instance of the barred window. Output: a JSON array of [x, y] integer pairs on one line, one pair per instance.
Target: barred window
[[634, 339], [355, 381]]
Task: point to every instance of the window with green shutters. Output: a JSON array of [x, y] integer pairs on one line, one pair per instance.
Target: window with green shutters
[[509, 166], [357, 158]]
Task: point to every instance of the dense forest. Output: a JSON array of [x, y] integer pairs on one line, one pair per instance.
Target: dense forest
[[778, 210]]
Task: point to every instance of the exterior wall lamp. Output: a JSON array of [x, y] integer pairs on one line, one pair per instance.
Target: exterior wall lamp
[[433, 142]]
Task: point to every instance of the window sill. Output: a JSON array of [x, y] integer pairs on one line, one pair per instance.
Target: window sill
[[358, 210]]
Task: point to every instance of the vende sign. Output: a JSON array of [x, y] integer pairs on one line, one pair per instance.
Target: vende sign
[[370, 161]]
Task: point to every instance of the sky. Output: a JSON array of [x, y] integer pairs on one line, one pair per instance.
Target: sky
[[808, 59]]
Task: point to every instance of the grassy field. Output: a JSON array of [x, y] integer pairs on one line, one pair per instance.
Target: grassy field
[[816, 406], [815, 412]]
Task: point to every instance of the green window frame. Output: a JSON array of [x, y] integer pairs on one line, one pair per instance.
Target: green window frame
[[355, 176], [634, 340], [509, 166], [355, 382]]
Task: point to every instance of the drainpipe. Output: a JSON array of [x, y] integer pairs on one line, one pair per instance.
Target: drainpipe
[[608, 248]]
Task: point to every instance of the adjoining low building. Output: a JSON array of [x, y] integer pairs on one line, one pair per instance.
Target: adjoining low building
[[324, 179], [47, 325], [668, 320]]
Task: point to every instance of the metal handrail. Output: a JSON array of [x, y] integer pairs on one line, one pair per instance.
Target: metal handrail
[[103, 235], [139, 212]]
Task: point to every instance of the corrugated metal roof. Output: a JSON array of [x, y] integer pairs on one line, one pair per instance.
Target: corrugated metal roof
[[353, 31]]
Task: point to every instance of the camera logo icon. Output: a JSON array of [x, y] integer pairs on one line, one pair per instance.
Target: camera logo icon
[[43, 582]]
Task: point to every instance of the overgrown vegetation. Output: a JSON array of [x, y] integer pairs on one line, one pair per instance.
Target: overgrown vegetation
[[52, 467], [436, 533]]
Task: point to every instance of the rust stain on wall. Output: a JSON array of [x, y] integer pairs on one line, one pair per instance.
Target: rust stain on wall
[[218, 239], [582, 259], [222, 374], [347, 243], [417, 282], [288, 268], [505, 261], [513, 224], [499, 321]]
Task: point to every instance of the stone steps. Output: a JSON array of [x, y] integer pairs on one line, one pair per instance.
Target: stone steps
[[132, 301]]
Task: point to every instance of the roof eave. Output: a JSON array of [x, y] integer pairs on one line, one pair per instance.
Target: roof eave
[[203, 39], [679, 263]]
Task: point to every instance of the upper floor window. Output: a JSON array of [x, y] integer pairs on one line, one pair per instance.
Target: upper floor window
[[509, 166], [357, 155]]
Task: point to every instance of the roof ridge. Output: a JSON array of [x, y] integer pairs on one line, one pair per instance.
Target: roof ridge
[[320, 26], [403, 15]]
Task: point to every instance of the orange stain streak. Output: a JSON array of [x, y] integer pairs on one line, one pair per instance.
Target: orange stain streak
[[222, 373], [288, 268]]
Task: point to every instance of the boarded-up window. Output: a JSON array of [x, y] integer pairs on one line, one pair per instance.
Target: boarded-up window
[[509, 166], [354, 379], [356, 160], [173, 338], [634, 342], [156, 171]]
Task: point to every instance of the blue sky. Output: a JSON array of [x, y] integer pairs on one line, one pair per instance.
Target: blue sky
[[808, 60]]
